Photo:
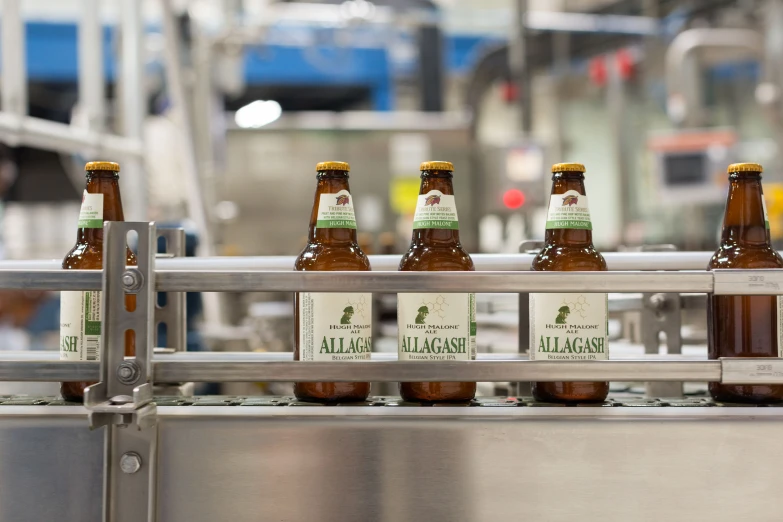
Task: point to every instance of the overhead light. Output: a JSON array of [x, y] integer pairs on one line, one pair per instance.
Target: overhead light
[[257, 114]]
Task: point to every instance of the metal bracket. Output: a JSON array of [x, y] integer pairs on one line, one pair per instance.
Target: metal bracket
[[172, 313], [662, 313], [122, 400]]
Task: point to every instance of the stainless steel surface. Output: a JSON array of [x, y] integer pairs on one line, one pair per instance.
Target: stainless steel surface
[[479, 371], [377, 281], [395, 463], [173, 313], [34, 369], [752, 371]]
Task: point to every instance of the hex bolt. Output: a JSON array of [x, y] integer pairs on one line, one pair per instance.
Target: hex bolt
[[128, 372], [658, 301], [132, 280], [130, 462]]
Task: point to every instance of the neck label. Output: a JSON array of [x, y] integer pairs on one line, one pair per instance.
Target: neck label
[[91, 213], [569, 210], [436, 210], [335, 327], [568, 327], [336, 211]]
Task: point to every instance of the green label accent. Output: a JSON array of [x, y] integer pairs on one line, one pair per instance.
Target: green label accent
[[91, 326], [335, 223], [433, 223], [569, 223], [90, 223]]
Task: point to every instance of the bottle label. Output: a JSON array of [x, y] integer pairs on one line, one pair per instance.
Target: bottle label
[[766, 217], [80, 326], [436, 327], [436, 210], [336, 211], [335, 327], [91, 213], [568, 327], [569, 210]]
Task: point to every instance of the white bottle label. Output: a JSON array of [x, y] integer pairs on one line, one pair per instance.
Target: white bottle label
[[335, 327], [568, 327], [336, 211], [436, 210], [80, 326], [436, 327], [91, 212], [569, 210]]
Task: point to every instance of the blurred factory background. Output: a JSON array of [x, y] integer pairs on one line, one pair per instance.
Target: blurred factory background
[[233, 102]]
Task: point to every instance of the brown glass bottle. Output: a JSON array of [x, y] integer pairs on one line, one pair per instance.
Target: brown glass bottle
[[569, 247], [744, 326], [332, 246], [435, 247], [101, 202]]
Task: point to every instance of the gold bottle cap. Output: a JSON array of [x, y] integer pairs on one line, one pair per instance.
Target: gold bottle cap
[[332, 165], [568, 167], [437, 165], [745, 167], [102, 165]]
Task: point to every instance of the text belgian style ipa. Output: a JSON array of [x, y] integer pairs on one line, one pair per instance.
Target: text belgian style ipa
[[745, 325], [80, 312], [568, 326], [436, 326], [332, 326]]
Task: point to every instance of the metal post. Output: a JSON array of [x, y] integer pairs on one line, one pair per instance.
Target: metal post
[[520, 69], [91, 72], [172, 314], [178, 97], [133, 106], [122, 400], [14, 77]]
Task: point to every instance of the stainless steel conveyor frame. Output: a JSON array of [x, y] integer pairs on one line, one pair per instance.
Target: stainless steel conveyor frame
[[148, 451]]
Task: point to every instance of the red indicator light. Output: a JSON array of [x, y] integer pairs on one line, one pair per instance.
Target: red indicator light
[[513, 198]]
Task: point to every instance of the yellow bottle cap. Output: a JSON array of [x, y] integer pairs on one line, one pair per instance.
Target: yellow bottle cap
[[568, 167], [102, 165], [437, 165], [332, 165], [745, 167]]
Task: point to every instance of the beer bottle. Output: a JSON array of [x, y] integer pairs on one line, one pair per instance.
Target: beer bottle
[[745, 325], [332, 326], [570, 326], [80, 312], [432, 326]]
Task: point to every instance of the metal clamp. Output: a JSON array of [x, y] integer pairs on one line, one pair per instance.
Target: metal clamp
[[124, 394], [173, 312]]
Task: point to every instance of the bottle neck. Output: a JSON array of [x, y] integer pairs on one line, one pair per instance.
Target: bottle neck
[[330, 182], [562, 182], [440, 180], [108, 184], [744, 223]]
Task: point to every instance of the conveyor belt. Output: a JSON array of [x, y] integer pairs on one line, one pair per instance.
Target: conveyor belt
[[387, 401]]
